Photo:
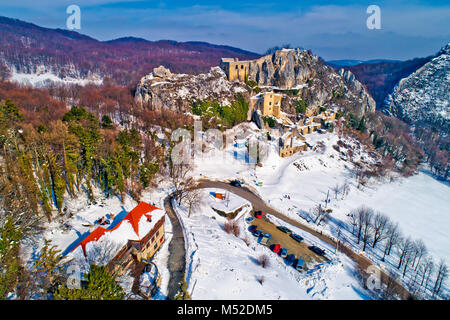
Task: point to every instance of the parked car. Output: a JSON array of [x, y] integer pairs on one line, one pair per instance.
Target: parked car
[[265, 238], [299, 264], [283, 253], [296, 237], [258, 214], [317, 250], [284, 229], [276, 248], [290, 259], [252, 228], [257, 233], [236, 183], [249, 219]]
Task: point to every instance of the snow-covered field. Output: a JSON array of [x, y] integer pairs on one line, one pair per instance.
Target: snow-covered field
[[420, 204]]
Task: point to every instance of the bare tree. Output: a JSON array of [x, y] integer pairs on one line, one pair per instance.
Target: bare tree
[[393, 237], [405, 246], [367, 226], [380, 224], [263, 260], [427, 270], [409, 257], [361, 219], [441, 277], [193, 200], [180, 181], [420, 253], [336, 189], [353, 221], [345, 188], [319, 214]]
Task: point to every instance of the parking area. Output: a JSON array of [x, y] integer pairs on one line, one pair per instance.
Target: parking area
[[299, 249]]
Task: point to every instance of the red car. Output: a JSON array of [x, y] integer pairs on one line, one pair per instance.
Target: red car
[[276, 248], [258, 214]]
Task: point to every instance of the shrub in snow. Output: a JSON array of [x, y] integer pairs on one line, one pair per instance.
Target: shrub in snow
[[232, 227], [263, 260]]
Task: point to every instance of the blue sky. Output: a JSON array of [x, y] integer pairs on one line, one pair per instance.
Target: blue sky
[[331, 29]]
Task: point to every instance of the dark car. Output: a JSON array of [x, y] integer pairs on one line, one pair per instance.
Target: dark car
[[236, 183], [257, 233], [317, 250], [249, 219], [296, 237], [290, 259], [258, 214], [252, 228], [284, 229]]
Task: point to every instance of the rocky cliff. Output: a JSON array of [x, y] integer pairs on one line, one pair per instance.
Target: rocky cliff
[[424, 95], [318, 84], [162, 89], [313, 81]]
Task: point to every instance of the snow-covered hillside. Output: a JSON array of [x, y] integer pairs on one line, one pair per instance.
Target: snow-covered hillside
[[424, 95]]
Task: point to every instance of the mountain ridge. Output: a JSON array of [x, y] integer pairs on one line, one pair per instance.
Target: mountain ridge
[[72, 55]]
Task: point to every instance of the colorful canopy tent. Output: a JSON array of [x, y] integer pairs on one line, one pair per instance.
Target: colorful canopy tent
[[220, 196], [133, 217]]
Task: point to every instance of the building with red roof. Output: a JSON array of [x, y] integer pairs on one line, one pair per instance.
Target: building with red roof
[[137, 235]]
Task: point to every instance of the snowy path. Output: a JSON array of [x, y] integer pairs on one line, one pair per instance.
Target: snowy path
[[177, 257]]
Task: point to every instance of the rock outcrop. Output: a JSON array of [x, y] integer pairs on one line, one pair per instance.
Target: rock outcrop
[[162, 89], [424, 95], [317, 84]]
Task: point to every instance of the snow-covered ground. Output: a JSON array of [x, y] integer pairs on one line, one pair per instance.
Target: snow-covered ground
[[222, 266], [420, 204], [228, 204], [295, 185], [45, 78], [64, 235]]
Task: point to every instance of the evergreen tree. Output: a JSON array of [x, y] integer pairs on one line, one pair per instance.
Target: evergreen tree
[[100, 285], [49, 267], [10, 236], [183, 294], [107, 122]]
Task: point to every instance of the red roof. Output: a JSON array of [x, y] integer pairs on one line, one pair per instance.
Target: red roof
[[134, 216], [93, 236]]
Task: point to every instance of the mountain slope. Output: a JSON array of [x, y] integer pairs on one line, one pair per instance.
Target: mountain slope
[[424, 95], [26, 48], [380, 77]]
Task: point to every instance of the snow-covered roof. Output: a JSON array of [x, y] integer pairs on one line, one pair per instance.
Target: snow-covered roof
[[135, 225]]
